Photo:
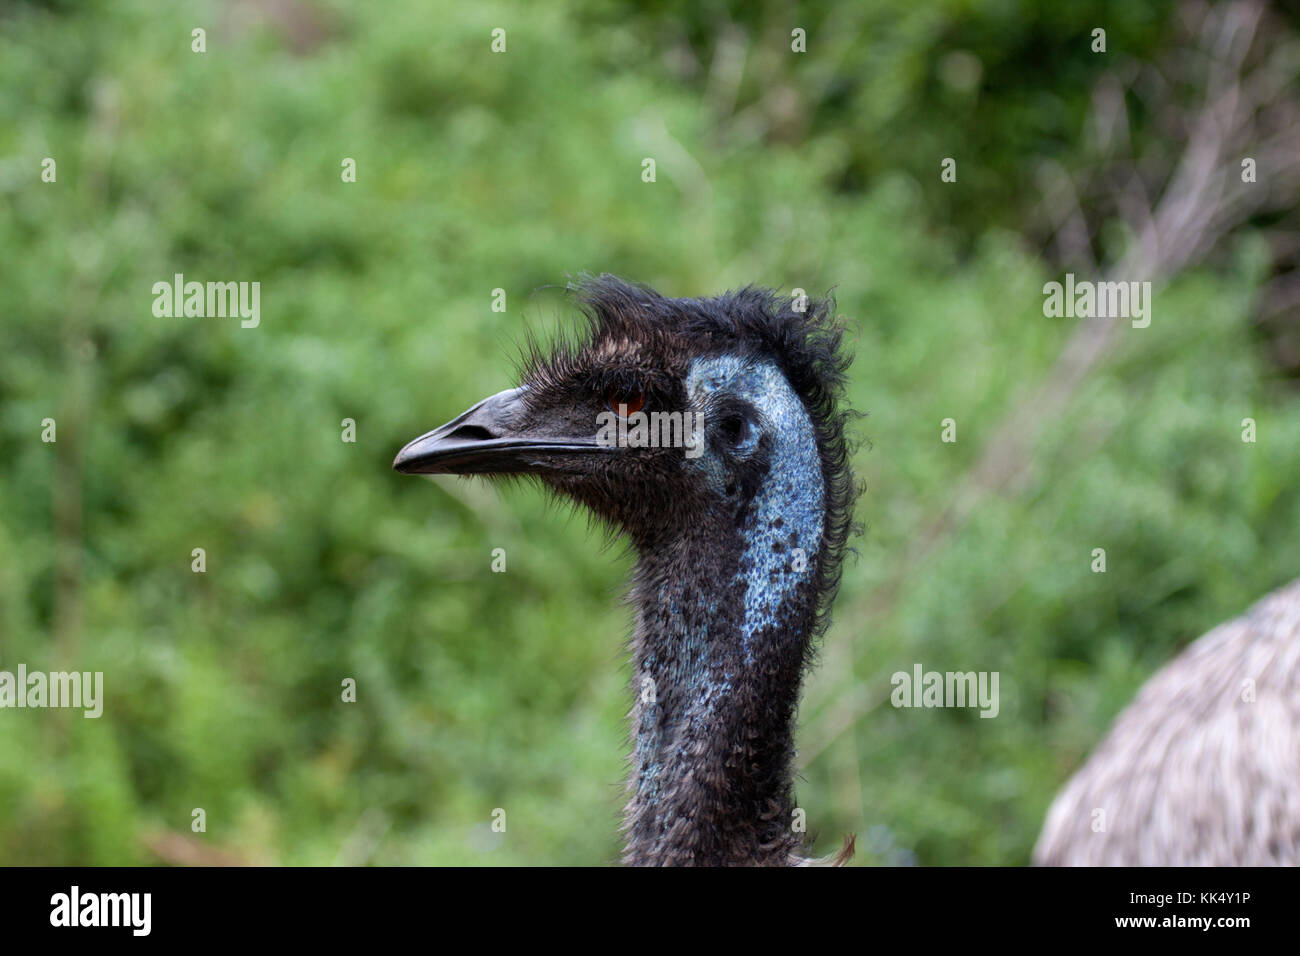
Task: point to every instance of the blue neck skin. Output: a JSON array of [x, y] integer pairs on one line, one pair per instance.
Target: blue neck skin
[[787, 511]]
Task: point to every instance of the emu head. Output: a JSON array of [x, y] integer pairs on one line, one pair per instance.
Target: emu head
[[666, 415]]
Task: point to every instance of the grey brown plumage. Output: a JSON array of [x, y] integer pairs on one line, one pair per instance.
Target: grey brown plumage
[[1203, 767]]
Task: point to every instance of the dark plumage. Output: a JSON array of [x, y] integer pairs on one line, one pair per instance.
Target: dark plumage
[[739, 546]]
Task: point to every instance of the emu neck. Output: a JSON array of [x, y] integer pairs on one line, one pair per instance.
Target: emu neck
[[713, 719], [725, 613]]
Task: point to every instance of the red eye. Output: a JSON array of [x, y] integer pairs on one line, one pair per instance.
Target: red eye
[[623, 403]]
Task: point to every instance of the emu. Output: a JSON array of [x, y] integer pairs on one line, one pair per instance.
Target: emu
[[738, 547], [1203, 767]]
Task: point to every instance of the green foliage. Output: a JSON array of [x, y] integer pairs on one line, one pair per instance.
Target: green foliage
[[479, 690]]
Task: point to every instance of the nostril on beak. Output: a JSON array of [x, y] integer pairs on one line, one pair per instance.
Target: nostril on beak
[[471, 433]]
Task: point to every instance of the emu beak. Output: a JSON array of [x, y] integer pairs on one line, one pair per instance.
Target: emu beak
[[489, 438]]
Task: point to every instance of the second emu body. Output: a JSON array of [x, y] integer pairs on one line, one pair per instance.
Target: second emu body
[[738, 545], [1203, 767]]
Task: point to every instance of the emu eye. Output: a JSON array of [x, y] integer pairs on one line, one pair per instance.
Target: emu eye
[[623, 403], [734, 429]]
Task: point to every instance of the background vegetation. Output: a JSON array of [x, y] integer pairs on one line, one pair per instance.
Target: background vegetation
[[518, 171]]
